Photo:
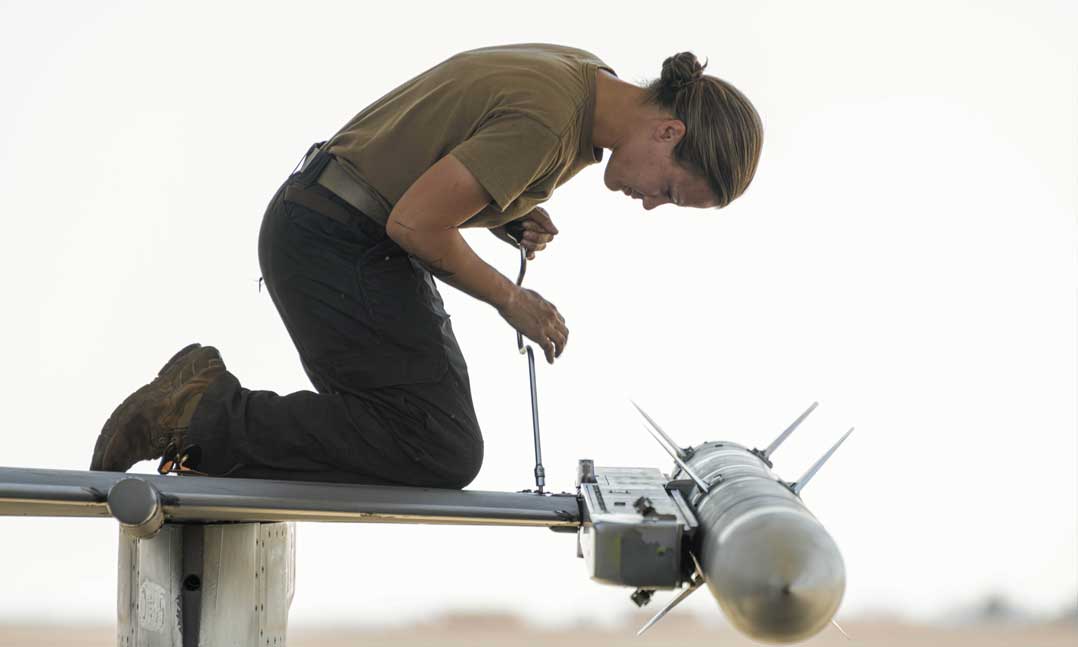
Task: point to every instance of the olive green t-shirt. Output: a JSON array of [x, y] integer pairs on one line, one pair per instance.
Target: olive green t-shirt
[[519, 117]]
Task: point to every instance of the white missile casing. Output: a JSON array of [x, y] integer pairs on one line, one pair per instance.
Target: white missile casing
[[773, 568]]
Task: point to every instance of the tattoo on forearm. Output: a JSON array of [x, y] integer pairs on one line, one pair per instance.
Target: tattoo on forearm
[[436, 269], [442, 274], [434, 266]]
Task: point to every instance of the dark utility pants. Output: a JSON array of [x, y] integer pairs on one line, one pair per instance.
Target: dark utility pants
[[393, 402]]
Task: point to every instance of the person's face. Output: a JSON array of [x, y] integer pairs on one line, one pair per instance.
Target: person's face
[[644, 169]]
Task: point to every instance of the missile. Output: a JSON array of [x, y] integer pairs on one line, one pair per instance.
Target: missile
[[774, 570]]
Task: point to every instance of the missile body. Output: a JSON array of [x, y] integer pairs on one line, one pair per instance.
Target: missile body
[[771, 565]]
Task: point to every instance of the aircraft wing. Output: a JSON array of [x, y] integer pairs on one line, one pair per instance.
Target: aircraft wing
[[75, 493]]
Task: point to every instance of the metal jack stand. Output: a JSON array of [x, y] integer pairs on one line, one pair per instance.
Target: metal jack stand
[[540, 473], [192, 584], [206, 584]]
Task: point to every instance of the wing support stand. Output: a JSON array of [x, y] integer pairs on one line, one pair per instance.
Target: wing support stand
[[184, 585]]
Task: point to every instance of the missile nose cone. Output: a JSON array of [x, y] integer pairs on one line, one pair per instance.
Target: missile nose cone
[[777, 574]]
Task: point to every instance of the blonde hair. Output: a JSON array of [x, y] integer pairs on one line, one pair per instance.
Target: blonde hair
[[723, 132]]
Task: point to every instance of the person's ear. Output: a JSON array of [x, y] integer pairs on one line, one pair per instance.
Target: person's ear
[[669, 131]]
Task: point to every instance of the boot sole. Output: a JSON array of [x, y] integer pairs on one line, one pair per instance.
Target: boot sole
[[122, 412]]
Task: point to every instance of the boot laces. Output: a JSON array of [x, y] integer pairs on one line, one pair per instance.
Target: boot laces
[[180, 459]]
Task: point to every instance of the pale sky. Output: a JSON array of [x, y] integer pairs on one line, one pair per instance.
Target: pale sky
[[905, 255]]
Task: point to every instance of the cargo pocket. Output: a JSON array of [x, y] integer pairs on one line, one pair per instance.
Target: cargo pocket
[[403, 321]]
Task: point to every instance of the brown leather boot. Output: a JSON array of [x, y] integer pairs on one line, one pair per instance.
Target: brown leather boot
[[155, 418]]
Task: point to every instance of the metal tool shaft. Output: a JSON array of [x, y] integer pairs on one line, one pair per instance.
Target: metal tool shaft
[[540, 473]]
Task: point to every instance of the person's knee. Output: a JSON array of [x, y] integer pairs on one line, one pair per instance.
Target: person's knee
[[459, 449], [465, 464]]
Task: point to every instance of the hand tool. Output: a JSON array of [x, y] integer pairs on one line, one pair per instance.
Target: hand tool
[[515, 229]]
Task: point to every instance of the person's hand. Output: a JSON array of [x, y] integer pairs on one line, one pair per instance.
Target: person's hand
[[533, 232], [538, 320]]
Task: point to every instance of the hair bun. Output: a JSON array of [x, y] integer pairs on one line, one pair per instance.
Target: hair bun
[[680, 70]]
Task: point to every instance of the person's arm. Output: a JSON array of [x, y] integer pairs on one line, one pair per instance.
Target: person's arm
[[425, 222]]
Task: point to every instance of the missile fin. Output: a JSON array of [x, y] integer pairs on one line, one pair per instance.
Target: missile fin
[[696, 582], [667, 443], [800, 483], [766, 455], [700, 483], [682, 454], [840, 629], [696, 565]]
